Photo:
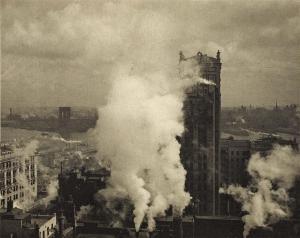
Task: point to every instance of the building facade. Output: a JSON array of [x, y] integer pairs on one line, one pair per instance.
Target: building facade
[[14, 168], [200, 141], [46, 224], [235, 155]]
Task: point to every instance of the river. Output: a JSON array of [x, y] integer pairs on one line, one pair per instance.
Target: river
[[10, 134]]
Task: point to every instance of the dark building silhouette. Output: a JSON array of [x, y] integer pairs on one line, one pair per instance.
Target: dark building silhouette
[[15, 223], [75, 184], [265, 145], [235, 155], [200, 141]]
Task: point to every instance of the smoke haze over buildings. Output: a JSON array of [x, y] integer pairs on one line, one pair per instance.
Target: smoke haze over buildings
[[266, 200]]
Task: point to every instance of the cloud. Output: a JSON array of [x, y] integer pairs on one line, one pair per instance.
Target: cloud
[[257, 39]]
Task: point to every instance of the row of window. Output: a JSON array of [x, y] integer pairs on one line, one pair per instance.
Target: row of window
[[15, 187], [237, 152], [10, 164], [13, 174]]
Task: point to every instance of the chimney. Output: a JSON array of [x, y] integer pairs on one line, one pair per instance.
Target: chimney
[[36, 231], [61, 167], [61, 224], [150, 234], [74, 221], [137, 234], [10, 205], [177, 227]]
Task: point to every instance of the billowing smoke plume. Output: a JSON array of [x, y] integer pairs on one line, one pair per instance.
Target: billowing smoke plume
[[136, 135], [138, 125], [84, 211], [142, 115], [23, 176], [189, 69], [266, 199], [47, 177], [114, 208]]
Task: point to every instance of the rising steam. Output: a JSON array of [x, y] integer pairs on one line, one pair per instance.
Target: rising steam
[[24, 174], [266, 199], [83, 211], [136, 138], [48, 177]]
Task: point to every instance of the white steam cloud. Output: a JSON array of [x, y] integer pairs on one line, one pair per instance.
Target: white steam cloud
[[59, 138], [23, 176], [143, 113], [84, 211], [189, 69], [136, 138], [266, 199], [138, 125], [48, 177]]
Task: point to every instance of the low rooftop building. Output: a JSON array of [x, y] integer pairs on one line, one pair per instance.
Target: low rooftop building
[[14, 223]]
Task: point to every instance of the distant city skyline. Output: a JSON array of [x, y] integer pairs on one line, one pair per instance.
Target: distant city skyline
[[57, 53]]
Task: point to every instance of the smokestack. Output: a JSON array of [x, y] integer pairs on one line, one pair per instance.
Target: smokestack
[[193, 228], [150, 234], [36, 231], [177, 227], [61, 167], [10, 206], [137, 234], [74, 221], [61, 224]]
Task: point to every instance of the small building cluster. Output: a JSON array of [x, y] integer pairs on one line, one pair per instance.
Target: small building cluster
[[15, 223]]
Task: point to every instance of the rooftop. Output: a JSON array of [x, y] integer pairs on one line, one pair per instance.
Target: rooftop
[[41, 219], [202, 58], [14, 214]]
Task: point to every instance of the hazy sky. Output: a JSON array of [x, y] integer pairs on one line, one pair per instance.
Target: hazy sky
[[64, 52]]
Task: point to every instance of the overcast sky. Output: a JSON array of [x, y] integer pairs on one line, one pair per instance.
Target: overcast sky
[[64, 52]]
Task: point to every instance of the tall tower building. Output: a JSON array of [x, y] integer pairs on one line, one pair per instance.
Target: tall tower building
[[200, 142]]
